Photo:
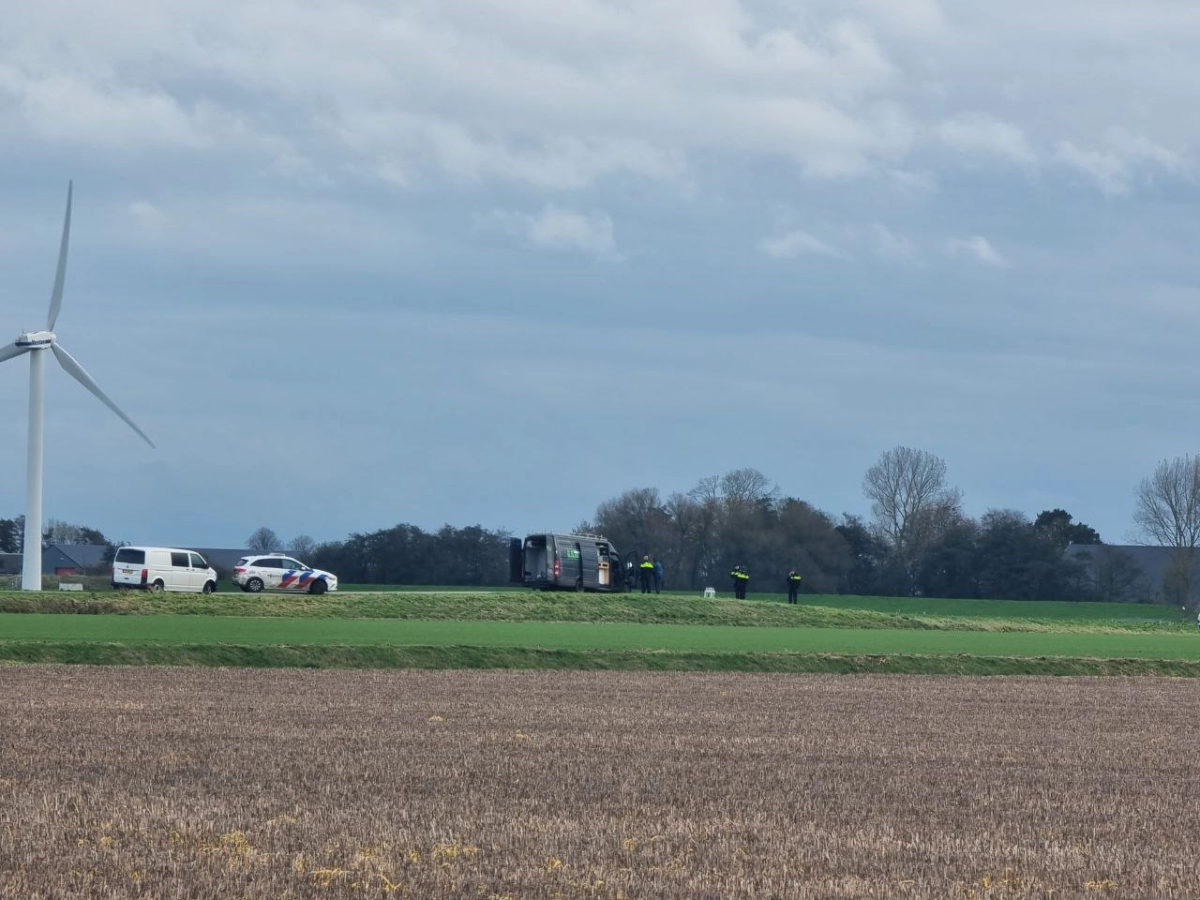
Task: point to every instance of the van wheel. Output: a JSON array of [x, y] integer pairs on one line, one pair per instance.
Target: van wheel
[[317, 587], [254, 585], [157, 587], [209, 587], [579, 585]]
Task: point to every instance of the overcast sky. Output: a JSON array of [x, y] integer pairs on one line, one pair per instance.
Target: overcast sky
[[352, 264]]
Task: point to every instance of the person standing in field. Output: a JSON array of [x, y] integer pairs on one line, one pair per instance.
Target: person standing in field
[[741, 579], [646, 571], [793, 580], [658, 575]]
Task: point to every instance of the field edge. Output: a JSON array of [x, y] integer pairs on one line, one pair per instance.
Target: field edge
[[468, 657]]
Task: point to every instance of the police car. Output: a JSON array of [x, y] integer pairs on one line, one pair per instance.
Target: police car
[[274, 572]]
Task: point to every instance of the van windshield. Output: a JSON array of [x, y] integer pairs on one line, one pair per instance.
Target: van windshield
[[130, 556]]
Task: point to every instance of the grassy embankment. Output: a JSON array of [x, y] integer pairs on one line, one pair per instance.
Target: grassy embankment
[[532, 630]]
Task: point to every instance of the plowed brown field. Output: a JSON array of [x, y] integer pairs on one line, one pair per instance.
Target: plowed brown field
[[160, 783]]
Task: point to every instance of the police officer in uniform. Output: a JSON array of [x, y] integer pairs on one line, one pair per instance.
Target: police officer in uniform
[[793, 581], [741, 578], [646, 571]]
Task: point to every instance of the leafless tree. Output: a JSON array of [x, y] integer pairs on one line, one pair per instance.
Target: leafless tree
[[1167, 510], [707, 489], [1167, 506], [59, 532], [264, 540], [633, 521], [302, 546], [746, 486], [909, 497]]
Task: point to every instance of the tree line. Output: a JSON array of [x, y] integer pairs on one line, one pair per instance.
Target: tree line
[[917, 540], [12, 534]]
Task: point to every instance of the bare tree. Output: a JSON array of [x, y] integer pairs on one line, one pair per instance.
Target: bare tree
[[1167, 510], [633, 521], [1167, 506], [746, 486], [909, 497], [707, 489], [264, 540], [302, 546]]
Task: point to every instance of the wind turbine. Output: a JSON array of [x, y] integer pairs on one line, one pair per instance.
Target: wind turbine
[[36, 343]]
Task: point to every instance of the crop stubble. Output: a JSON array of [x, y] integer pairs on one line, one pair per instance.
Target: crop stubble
[[154, 782]]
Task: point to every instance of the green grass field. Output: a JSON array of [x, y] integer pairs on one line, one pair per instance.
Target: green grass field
[[172, 629], [679, 609], [531, 629]]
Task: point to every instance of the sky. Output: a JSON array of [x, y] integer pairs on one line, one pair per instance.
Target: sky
[[356, 263]]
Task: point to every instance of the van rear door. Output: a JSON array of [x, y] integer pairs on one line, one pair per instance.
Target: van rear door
[[516, 561], [537, 564], [128, 565]]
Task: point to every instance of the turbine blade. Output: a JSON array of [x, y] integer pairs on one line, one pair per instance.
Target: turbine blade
[[12, 350], [61, 274], [77, 371]]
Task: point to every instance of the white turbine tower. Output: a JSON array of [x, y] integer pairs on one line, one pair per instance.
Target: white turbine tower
[[35, 343]]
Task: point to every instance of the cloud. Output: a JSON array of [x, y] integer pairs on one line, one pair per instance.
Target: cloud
[[148, 219], [977, 248], [556, 228], [909, 182], [300, 161], [890, 246], [795, 243], [1115, 166], [67, 109], [559, 98], [917, 18], [977, 135]]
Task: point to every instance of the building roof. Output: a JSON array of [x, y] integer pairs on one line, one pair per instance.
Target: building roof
[[84, 556]]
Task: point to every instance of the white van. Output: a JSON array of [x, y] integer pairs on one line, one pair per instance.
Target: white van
[[162, 569]]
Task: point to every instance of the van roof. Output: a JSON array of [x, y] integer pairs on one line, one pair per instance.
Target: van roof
[[168, 549]]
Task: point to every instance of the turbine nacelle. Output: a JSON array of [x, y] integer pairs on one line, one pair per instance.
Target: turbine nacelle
[[35, 340]]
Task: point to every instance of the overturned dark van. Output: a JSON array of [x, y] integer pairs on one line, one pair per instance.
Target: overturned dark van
[[566, 562]]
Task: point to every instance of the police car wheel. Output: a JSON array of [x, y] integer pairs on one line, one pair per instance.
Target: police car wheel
[[254, 585], [317, 587]]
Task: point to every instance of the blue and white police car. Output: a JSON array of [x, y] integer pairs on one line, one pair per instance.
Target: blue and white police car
[[274, 572]]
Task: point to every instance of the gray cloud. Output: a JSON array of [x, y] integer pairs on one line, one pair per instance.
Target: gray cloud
[[977, 248], [556, 228], [410, 226], [796, 243]]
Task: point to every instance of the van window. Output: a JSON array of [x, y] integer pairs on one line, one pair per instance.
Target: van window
[[198, 561], [180, 560], [130, 556]]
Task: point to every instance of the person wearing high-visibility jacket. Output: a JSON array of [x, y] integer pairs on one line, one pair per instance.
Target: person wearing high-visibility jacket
[[793, 586], [646, 571], [741, 578]]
